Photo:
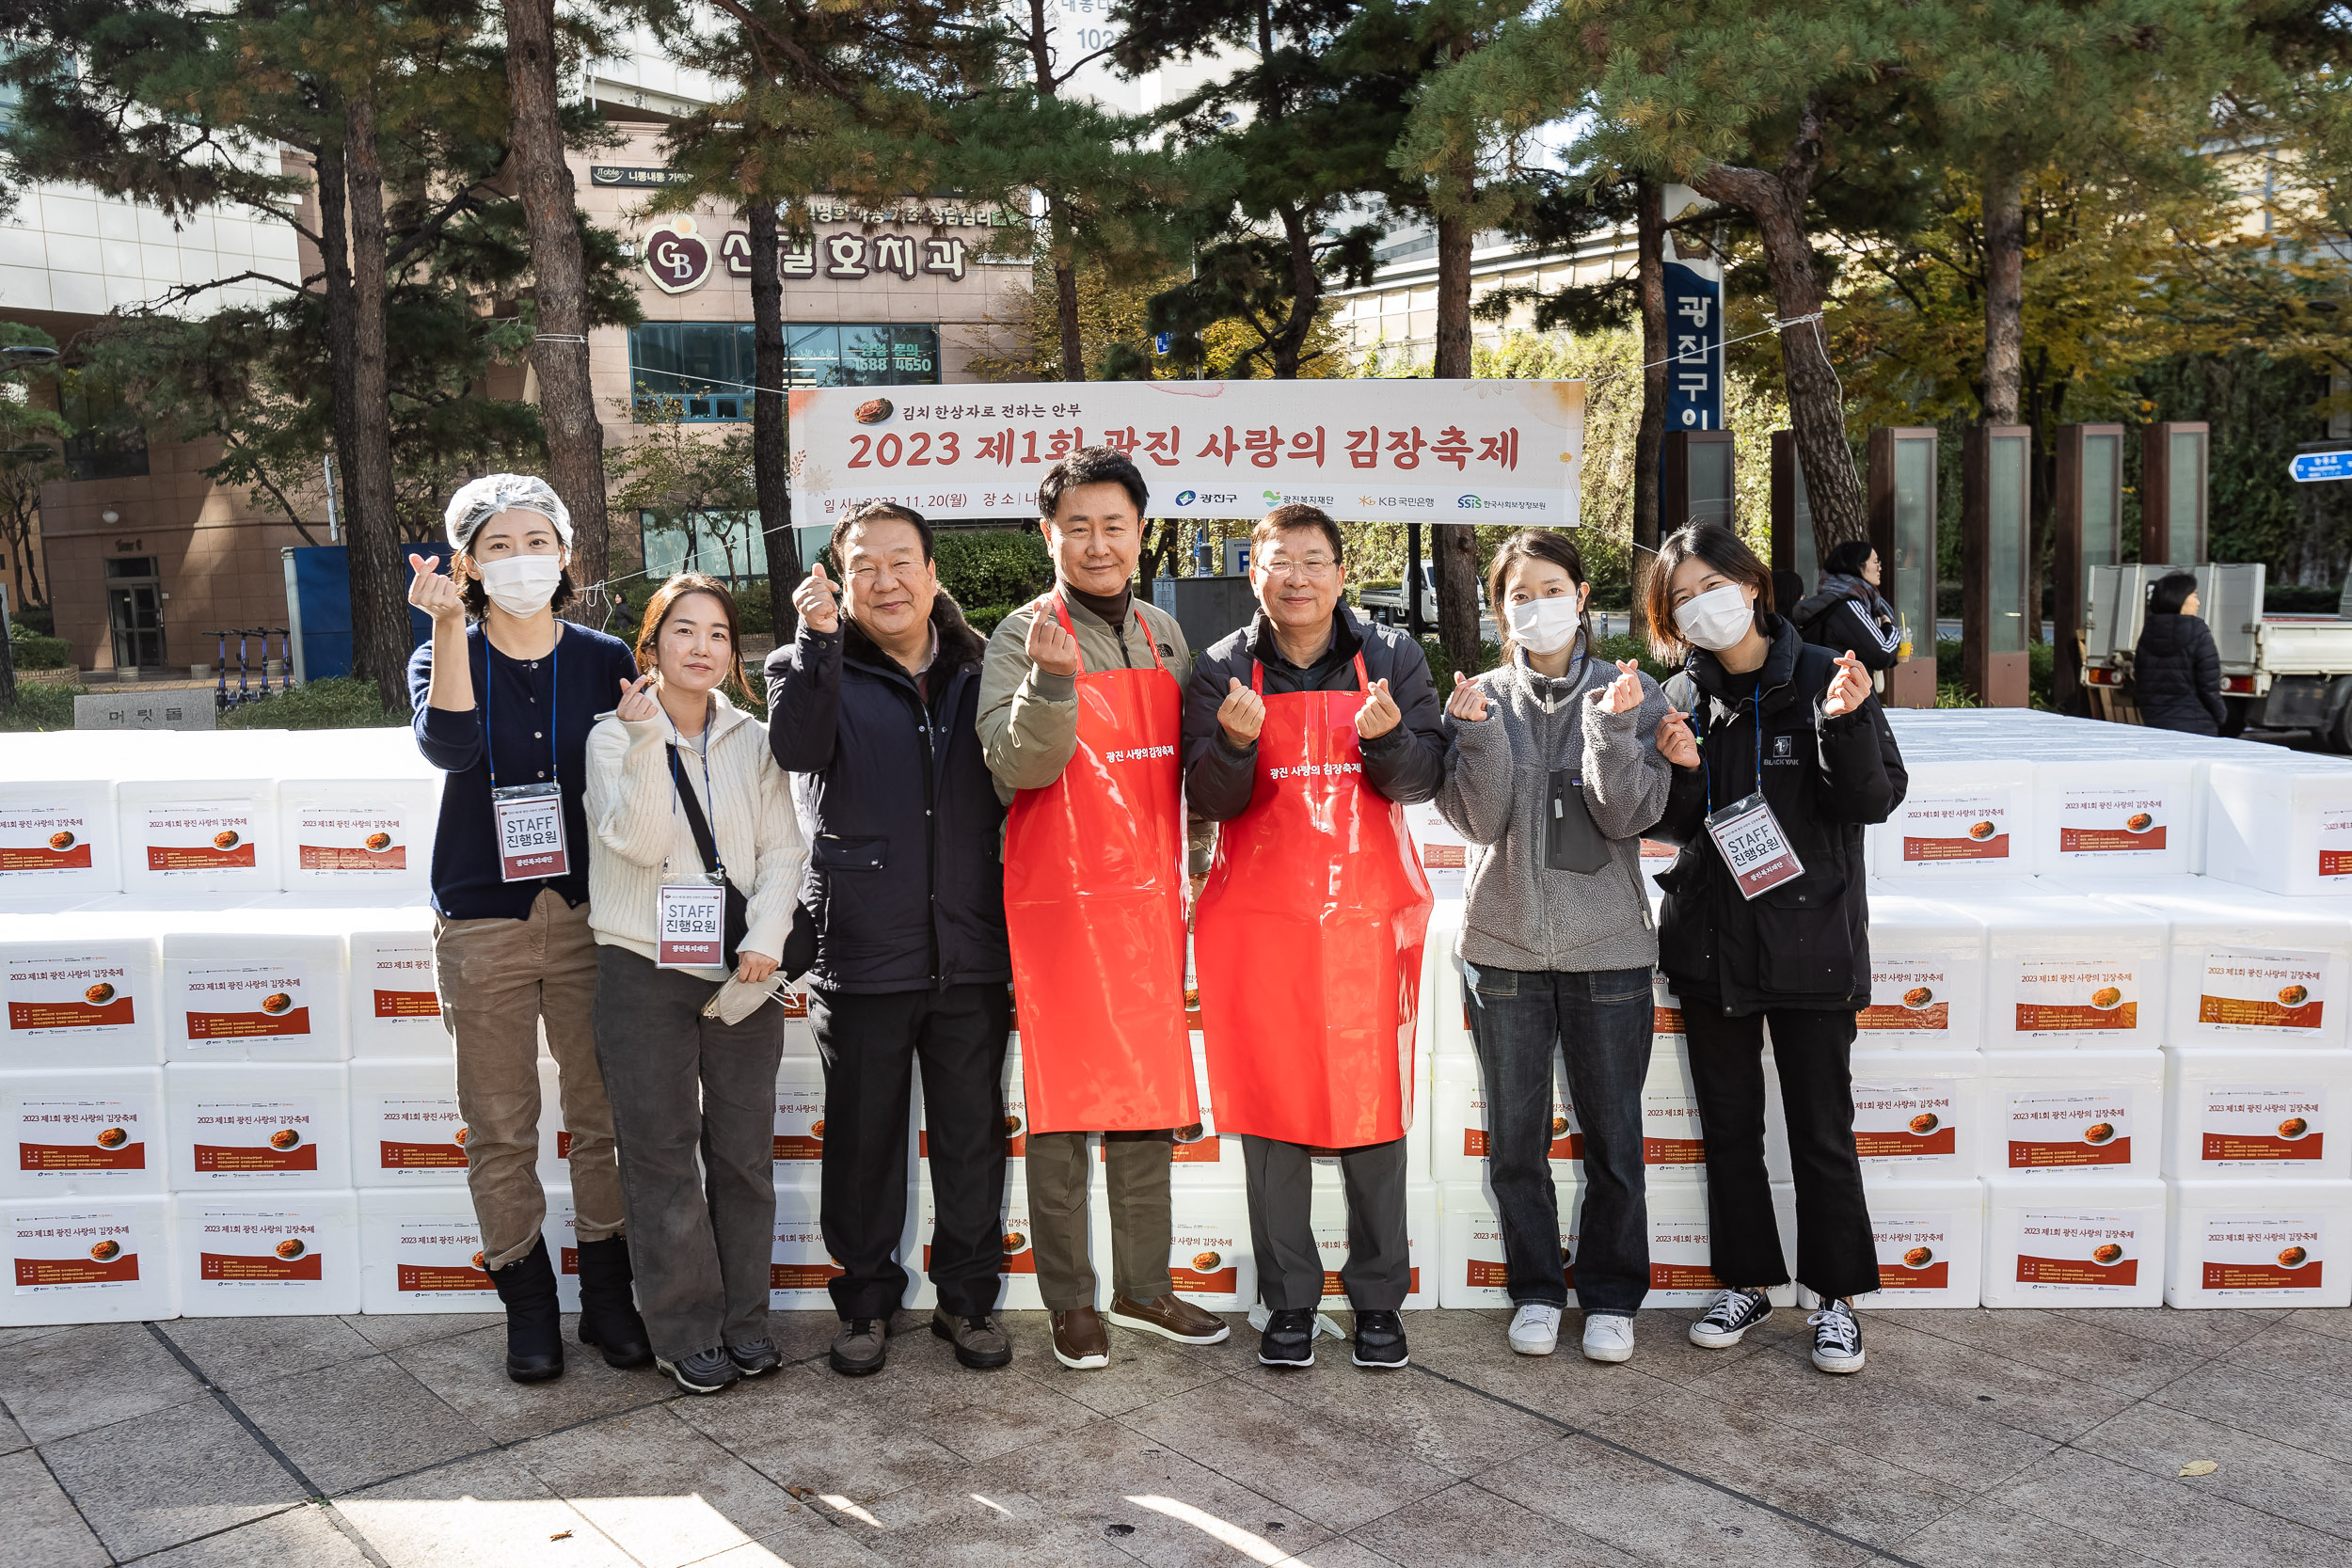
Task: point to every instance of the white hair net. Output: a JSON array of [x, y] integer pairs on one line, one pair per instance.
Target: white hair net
[[484, 499]]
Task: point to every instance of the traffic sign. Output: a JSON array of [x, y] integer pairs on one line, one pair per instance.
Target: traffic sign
[[2308, 468]]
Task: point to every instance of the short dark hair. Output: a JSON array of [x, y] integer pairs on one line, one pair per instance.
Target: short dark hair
[[1848, 556], [875, 511], [1296, 515], [476, 598], [1091, 466], [1719, 548], [2170, 592]]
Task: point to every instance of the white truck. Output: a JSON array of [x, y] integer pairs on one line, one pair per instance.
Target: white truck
[[2279, 671]]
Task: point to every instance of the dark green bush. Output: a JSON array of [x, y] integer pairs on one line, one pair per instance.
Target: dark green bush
[[986, 618], [345, 703], [34, 649], [39, 705], [993, 567]]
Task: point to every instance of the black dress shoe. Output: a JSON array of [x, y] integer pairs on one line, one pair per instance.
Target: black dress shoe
[[534, 1324], [608, 1304], [1288, 1338], [1380, 1340]]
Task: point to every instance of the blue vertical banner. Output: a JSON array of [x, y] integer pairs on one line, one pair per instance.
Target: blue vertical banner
[[1695, 339]]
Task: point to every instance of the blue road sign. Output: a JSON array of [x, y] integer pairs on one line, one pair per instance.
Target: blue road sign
[[2308, 468], [1160, 341]]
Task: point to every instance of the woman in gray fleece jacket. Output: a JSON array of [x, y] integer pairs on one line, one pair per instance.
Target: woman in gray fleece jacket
[[1553, 774]]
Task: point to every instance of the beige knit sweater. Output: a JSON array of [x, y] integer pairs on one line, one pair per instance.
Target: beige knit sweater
[[639, 835]]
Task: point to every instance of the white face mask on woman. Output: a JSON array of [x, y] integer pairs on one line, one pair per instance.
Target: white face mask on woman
[[1716, 619], [1544, 625], [522, 584]]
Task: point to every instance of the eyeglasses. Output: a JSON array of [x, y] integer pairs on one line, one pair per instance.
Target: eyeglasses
[[1311, 566]]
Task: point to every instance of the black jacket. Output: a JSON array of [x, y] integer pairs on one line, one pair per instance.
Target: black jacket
[[903, 880], [1838, 618], [1805, 943], [2176, 672], [1406, 765]]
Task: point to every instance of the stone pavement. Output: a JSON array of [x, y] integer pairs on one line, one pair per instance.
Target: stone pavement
[[2049, 1439]]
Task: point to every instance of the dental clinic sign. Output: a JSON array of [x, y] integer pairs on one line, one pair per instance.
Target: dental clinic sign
[[681, 254], [1463, 451]]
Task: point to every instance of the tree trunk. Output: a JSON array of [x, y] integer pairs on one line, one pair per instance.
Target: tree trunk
[[1074, 363], [560, 285], [1649, 441], [770, 453], [2004, 296], [1290, 344], [1454, 545], [381, 639]]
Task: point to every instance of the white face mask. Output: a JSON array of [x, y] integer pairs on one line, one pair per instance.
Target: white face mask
[[1544, 625], [522, 584], [1716, 619]]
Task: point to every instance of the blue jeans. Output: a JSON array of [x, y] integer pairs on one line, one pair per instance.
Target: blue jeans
[[1600, 1021]]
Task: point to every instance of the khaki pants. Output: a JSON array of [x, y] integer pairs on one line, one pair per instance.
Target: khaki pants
[[1136, 1169], [497, 979]]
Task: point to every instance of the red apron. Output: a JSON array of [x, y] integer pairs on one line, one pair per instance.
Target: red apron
[[1307, 940], [1094, 905]]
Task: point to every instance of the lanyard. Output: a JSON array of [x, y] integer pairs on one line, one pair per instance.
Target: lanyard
[[1756, 712], [555, 690]]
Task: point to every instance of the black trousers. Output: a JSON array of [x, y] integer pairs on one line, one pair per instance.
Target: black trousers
[[1835, 1253], [1379, 1274], [871, 1045]]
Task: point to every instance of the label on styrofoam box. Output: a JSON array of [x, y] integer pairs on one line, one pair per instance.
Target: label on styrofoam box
[[2335, 843], [68, 1135], [1915, 1252], [255, 1137], [227, 1003], [1907, 1126], [394, 979], [2070, 1129], [2261, 1257], [207, 837], [2072, 1250], [2077, 997], [1971, 827], [92, 994], [92, 1250], [1665, 1009], [1206, 1260], [799, 1267], [349, 842], [258, 1247], [1909, 996], [2106, 823], [2262, 1124], [415, 1134], [1680, 1259], [1019, 1238], [433, 1259], [2271, 993], [800, 1133], [45, 841], [1671, 1137]]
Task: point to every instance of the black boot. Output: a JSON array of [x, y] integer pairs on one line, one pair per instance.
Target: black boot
[[535, 1325], [608, 1310]]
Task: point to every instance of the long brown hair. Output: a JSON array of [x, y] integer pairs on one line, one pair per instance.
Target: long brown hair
[[1535, 544], [665, 599], [1719, 548]]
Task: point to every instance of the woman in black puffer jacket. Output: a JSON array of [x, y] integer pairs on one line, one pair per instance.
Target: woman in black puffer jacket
[[2177, 669]]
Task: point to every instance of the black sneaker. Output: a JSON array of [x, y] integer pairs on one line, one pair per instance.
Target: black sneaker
[[755, 1356], [1288, 1338], [1836, 1339], [1380, 1340], [1731, 1315], [705, 1371]]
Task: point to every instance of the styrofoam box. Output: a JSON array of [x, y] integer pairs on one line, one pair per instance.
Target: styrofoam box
[[1328, 1217], [1674, 1145], [1960, 822], [420, 1251], [800, 1119], [87, 1260], [1930, 1236], [60, 839], [2258, 1113], [1457, 1116], [1205, 1158], [268, 984], [351, 833], [405, 1128], [2247, 967], [2115, 816], [799, 1040], [2074, 1241], [2060, 1115], [1444, 854], [198, 835], [562, 1231], [1472, 1270], [396, 1003], [2063, 970], [1665, 1007], [266, 1255], [1927, 976], [1443, 1027], [1918, 1114], [2284, 827], [82, 991], [286, 1127], [1209, 1258], [798, 1266], [2260, 1244], [1682, 1271], [74, 1135]]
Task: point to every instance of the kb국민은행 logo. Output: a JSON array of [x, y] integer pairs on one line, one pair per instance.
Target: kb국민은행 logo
[[677, 258]]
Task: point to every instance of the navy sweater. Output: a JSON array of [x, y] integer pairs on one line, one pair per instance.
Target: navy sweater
[[541, 738]]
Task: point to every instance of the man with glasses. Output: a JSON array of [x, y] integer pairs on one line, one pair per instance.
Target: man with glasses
[[874, 705], [1306, 734]]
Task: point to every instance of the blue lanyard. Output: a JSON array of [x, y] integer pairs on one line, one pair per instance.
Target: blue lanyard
[[1757, 713], [555, 690], [709, 812]]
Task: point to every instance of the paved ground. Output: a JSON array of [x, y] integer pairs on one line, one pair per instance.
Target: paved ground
[[2049, 1439]]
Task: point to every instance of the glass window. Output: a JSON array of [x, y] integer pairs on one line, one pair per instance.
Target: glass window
[[2102, 502], [107, 443], [1808, 558], [724, 544], [132, 566], [706, 367], [1914, 566], [2005, 546], [2185, 493], [1710, 483]]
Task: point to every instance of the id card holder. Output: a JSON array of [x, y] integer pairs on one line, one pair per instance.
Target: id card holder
[[689, 924], [530, 820], [1572, 842], [1748, 836]]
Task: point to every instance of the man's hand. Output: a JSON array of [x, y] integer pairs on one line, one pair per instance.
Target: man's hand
[[1050, 648], [637, 703], [1848, 691], [1379, 714], [820, 607], [753, 968], [434, 593], [1675, 742], [1624, 694], [1468, 702], [1241, 714]]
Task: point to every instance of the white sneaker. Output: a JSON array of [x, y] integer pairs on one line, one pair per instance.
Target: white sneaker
[[1535, 1328], [1608, 1337]]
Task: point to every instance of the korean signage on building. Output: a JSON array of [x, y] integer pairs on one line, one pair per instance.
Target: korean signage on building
[[1695, 336], [1465, 452], [681, 253]]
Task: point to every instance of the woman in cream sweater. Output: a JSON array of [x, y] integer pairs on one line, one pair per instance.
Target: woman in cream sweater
[[685, 805]]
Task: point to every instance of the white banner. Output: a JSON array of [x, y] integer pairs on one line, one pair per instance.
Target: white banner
[[1463, 451]]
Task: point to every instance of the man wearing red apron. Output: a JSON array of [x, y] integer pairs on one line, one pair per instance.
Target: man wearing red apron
[[1080, 722], [1306, 734]]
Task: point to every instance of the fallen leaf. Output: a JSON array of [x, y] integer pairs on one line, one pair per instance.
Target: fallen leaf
[[2200, 1467], [561, 1535]]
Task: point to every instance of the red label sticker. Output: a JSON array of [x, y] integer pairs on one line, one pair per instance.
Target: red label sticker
[[330, 856], [1935, 1015], [256, 1157], [1682, 1277], [407, 1003], [2246, 1145], [77, 1271], [803, 1276], [1896, 1146], [233, 1265], [264, 1024], [1674, 1152], [2095, 841], [1221, 1282], [69, 1015], [2043, 1015], [1992, 848], [2029, 1154], [199, 857], [408, 1156], [2262, 1276], [88, 1156], [443, 1277], [40, 857], [2073, 1271], [1897, 1276]]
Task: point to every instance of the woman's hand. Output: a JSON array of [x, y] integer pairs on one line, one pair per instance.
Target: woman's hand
[[1468, 702], [437, 595], [753, 969], [1624, 694], [637, 703], [1675, 741], [1848, 691]]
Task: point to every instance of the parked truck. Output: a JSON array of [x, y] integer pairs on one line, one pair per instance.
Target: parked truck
[[2279, 671]]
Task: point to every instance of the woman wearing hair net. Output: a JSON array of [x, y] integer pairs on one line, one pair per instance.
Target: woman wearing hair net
[[505, 695]]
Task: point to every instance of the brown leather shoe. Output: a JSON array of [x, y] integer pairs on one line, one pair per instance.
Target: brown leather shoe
[[1079, 1342], [1170, 1317]]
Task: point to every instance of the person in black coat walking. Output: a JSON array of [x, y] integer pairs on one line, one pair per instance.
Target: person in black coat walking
[[2177, 669], [1848, 611], [1781, 756]]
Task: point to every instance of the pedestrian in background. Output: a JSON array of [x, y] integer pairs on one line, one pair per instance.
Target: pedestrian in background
[[1848, 611], [2177, 669]]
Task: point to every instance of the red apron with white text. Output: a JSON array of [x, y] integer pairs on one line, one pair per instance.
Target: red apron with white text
[[1094, 905], [1307, 940]]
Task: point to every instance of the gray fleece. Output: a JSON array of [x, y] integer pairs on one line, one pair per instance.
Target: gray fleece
[[1521, 914]]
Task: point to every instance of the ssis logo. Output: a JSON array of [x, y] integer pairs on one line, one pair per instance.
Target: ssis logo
[[1184, 498], [1470, 504]]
